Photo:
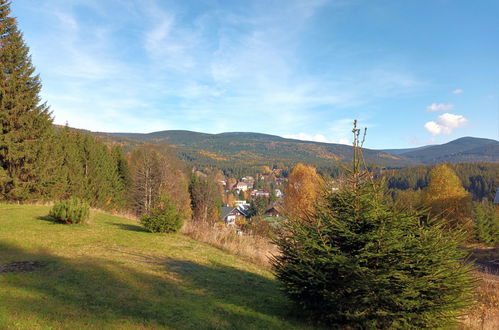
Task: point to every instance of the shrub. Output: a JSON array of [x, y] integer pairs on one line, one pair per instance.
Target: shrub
[[73, 210], [162, 219], [360, 263]]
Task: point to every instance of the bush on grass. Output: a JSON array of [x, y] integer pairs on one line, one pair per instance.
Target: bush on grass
[[162, 219], [71, 211]]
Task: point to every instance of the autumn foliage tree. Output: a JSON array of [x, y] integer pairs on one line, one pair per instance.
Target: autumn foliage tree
[[156, 175], [205, 198], [447, 199], [302, 192]]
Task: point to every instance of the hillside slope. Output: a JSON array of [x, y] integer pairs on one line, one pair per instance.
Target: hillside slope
[[466, 149], [112, 274], [245, 147], [255, 148]]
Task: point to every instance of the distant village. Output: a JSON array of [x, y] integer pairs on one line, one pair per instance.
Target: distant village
[[252, 196]]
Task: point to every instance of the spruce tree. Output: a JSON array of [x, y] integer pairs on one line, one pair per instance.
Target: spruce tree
[[360, 263], [25, 122], [71, 174]]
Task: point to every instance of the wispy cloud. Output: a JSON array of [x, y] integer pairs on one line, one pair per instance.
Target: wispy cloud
[[439, 107], [457, 91], [220, 69], [445, 124]]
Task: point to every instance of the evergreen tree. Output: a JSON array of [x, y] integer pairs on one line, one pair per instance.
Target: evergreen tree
[[357, 262], [25, 124], [258, 206], [71, 174], [121, 165], [486, 222]]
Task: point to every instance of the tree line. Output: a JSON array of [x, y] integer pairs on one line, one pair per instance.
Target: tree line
[[480, 179], [42, 162]]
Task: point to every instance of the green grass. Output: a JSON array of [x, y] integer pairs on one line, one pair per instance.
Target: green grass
[[112, 274]]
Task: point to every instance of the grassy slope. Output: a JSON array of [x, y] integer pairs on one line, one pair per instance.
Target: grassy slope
[[112, 274]]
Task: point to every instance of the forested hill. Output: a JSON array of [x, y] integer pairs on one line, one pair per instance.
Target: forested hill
[[256, 148], [466, 149]]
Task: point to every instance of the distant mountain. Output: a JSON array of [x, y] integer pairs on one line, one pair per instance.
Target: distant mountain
[[256, 148], [466, 149], [402, 151]]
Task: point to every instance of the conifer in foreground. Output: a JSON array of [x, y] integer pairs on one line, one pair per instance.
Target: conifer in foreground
[[359, 262], [25, 124]]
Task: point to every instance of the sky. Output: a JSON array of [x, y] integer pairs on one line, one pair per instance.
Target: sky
[[412, 72]]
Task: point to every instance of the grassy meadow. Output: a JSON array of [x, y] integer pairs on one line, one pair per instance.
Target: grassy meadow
[[110, 273]]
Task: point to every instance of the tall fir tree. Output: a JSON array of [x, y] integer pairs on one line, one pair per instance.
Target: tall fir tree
[[25, 122]]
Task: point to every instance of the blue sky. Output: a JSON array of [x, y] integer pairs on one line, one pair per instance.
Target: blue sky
[[413, 72]]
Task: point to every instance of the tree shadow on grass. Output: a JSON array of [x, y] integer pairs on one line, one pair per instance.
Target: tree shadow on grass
[[230, 285], [130, 227], [94, 292], [47, 218]]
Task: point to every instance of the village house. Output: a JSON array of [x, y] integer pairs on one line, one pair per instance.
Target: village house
[[249, 180], [242, 204], [277, 171], [230, 215], [260, 193], [273, 211], [241, 186]]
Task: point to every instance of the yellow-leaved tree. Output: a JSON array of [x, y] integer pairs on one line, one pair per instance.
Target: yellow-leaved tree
[[303, 191], [447, 199]]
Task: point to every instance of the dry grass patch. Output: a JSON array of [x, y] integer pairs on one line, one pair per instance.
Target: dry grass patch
[[254, 248], [485, 314]]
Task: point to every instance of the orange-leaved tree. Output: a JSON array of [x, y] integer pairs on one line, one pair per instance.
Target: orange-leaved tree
[[447, 199], [303, 191]]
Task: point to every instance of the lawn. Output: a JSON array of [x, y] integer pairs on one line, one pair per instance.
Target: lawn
[[112, 274]]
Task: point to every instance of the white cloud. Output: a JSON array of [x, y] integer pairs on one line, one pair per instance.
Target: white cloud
[[445, 124], [317, 138], [457, 91], [308, 137], [440, 107], [433, 128]]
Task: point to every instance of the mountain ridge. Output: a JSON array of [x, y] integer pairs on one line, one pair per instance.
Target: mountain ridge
[[245, 147]]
